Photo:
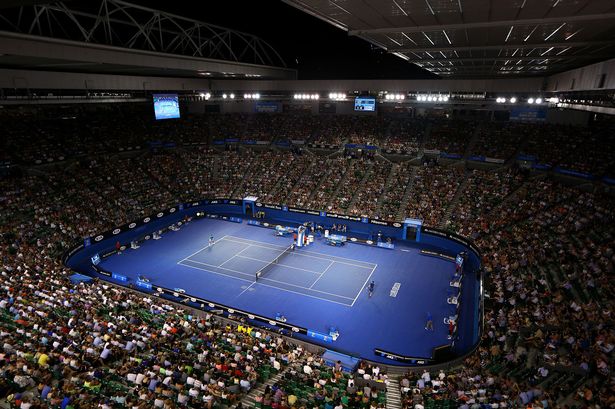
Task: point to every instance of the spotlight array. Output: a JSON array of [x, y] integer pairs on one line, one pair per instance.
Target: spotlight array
[[306, 96], [251, 96], [337, 95], [394, 97], [205, 95], [432, 98], [502, 100]]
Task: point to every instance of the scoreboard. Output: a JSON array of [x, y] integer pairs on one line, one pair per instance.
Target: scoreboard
[[365, 104]]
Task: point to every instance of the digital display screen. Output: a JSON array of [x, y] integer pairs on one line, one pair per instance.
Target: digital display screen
[[166, 106], [365, 104]]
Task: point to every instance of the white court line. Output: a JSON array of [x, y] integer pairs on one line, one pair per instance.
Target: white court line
[[308, 295], [362, 288], [322, 274], [300, 286], [259, 242], [407, 251], [265, 278], [213, 272], [366, 264], [323, 256], [281, 265], [236, 254], [250, 286], [198, 251], [272, 286], [223, 268], [261, 245], [303, 251]]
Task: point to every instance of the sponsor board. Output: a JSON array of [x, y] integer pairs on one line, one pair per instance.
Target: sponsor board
[[271, 206], [401, 358]]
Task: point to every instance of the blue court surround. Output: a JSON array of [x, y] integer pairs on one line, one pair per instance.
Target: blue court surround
[[316, 287]]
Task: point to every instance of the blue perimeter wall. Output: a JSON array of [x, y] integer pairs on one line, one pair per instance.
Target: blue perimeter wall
[[430, 238]]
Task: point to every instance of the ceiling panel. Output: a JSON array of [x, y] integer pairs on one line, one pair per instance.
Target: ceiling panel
[[468, 37]]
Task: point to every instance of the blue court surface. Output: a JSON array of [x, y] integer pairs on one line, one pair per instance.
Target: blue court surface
[[315, 287]]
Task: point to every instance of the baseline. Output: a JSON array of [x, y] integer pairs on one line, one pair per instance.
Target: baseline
[[364, 284]]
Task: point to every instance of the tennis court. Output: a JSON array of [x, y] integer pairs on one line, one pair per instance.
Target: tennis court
[[315, 287], [300, 271]]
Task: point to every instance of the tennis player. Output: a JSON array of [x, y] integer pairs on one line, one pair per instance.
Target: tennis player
[[211, 240], [370, 288], [429, 323]]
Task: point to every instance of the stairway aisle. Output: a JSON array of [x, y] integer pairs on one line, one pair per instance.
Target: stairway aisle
[[393, 393], [389, 182], [404, 201], [453, 203], [361, 186], [249, 400]]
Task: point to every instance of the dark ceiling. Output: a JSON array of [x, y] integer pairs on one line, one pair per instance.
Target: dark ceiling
[[479, 38]]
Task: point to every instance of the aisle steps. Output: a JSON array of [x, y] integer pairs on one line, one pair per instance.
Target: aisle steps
[[393, 393], [249, 400]]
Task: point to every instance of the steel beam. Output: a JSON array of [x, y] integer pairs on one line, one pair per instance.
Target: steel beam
[[512, 58], [497, 47], [485, 24]]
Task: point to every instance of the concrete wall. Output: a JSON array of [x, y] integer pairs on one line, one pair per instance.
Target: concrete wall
[[26, 79], [436, 85], [584, 78]]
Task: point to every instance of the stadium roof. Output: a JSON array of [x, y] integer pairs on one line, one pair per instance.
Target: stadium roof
[[117, 37], [479, 38]]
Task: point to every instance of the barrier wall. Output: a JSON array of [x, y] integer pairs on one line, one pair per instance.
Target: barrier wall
[[357, 227]]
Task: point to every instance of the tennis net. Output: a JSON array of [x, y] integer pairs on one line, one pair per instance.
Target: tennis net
[[263, 271]]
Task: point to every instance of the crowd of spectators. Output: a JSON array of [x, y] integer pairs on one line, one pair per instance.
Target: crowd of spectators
[[351, 183], [394, 195], [311, 181], [93, 345], [450, 136], [499, 140], [433, 188], [368, 194], [312, 384], [482, 191], [403, 135], [582, 149], [283, 127], [548, 254]]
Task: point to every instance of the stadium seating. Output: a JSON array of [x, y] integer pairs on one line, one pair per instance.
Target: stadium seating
[[548, 252]]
